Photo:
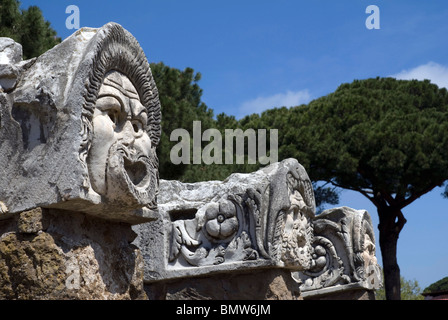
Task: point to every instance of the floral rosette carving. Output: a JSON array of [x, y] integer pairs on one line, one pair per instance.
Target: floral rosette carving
[[221, 223]]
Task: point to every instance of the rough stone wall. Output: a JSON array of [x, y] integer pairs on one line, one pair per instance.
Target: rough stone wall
[[268, 284], [360, 294], [54, 254]]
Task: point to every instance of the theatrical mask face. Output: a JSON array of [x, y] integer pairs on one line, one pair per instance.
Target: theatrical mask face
[[369, 252], [295, 239], [119, 158]]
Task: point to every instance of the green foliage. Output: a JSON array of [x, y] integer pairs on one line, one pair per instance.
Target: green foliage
[[376, 135], [27, 27], [180, 98], [410, 290], [10, 19], [324, 195], [384, 138], [37, 36], [439, 286]]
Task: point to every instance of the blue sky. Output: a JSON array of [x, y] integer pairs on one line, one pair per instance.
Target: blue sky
[[254, 55]]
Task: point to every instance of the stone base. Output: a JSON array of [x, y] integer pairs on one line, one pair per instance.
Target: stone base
[[340, 292], [268, 284], [55, 254]]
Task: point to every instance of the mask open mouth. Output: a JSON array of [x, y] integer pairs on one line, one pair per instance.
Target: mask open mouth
[[130, 177], [136, 171]]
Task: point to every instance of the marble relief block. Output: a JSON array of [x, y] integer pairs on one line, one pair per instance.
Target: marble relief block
[[79, 127], [249, 221]]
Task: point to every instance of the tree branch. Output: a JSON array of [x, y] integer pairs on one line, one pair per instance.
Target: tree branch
[[390, 200], [415, 196], [401, 221], [365, 193]]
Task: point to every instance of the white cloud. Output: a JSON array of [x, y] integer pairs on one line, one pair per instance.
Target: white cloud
[[288, 99], [435, 72]]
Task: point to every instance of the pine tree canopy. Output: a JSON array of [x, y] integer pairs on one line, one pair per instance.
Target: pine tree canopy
[[27, 27], [374, 136]]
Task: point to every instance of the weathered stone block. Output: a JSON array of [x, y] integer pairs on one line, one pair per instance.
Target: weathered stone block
[[79, 126], [10, 51], [211, 233], [264, 284], [73, 256], [344, 255], [247, 222], [30, 221]]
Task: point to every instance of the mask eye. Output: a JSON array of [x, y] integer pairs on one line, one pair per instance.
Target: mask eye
[[137, 126], [113, 116]]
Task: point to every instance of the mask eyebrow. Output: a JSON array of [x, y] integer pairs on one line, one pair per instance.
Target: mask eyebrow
[[112, 101], [118, 86]]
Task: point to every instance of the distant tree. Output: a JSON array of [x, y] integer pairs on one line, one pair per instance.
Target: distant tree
[[324, 195], [10, 19], [36, 34], [180, 98], [438, 286], [27, 27], [283, 120], [384, 138], [409, 290]]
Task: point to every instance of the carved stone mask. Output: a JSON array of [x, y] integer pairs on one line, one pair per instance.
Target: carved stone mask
[[79, 129], [369, 252], [120, 160]]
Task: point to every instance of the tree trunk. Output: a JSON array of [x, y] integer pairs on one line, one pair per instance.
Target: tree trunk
[[391, 223]]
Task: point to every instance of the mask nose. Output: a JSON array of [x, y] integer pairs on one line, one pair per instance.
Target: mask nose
[[127, 136]]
